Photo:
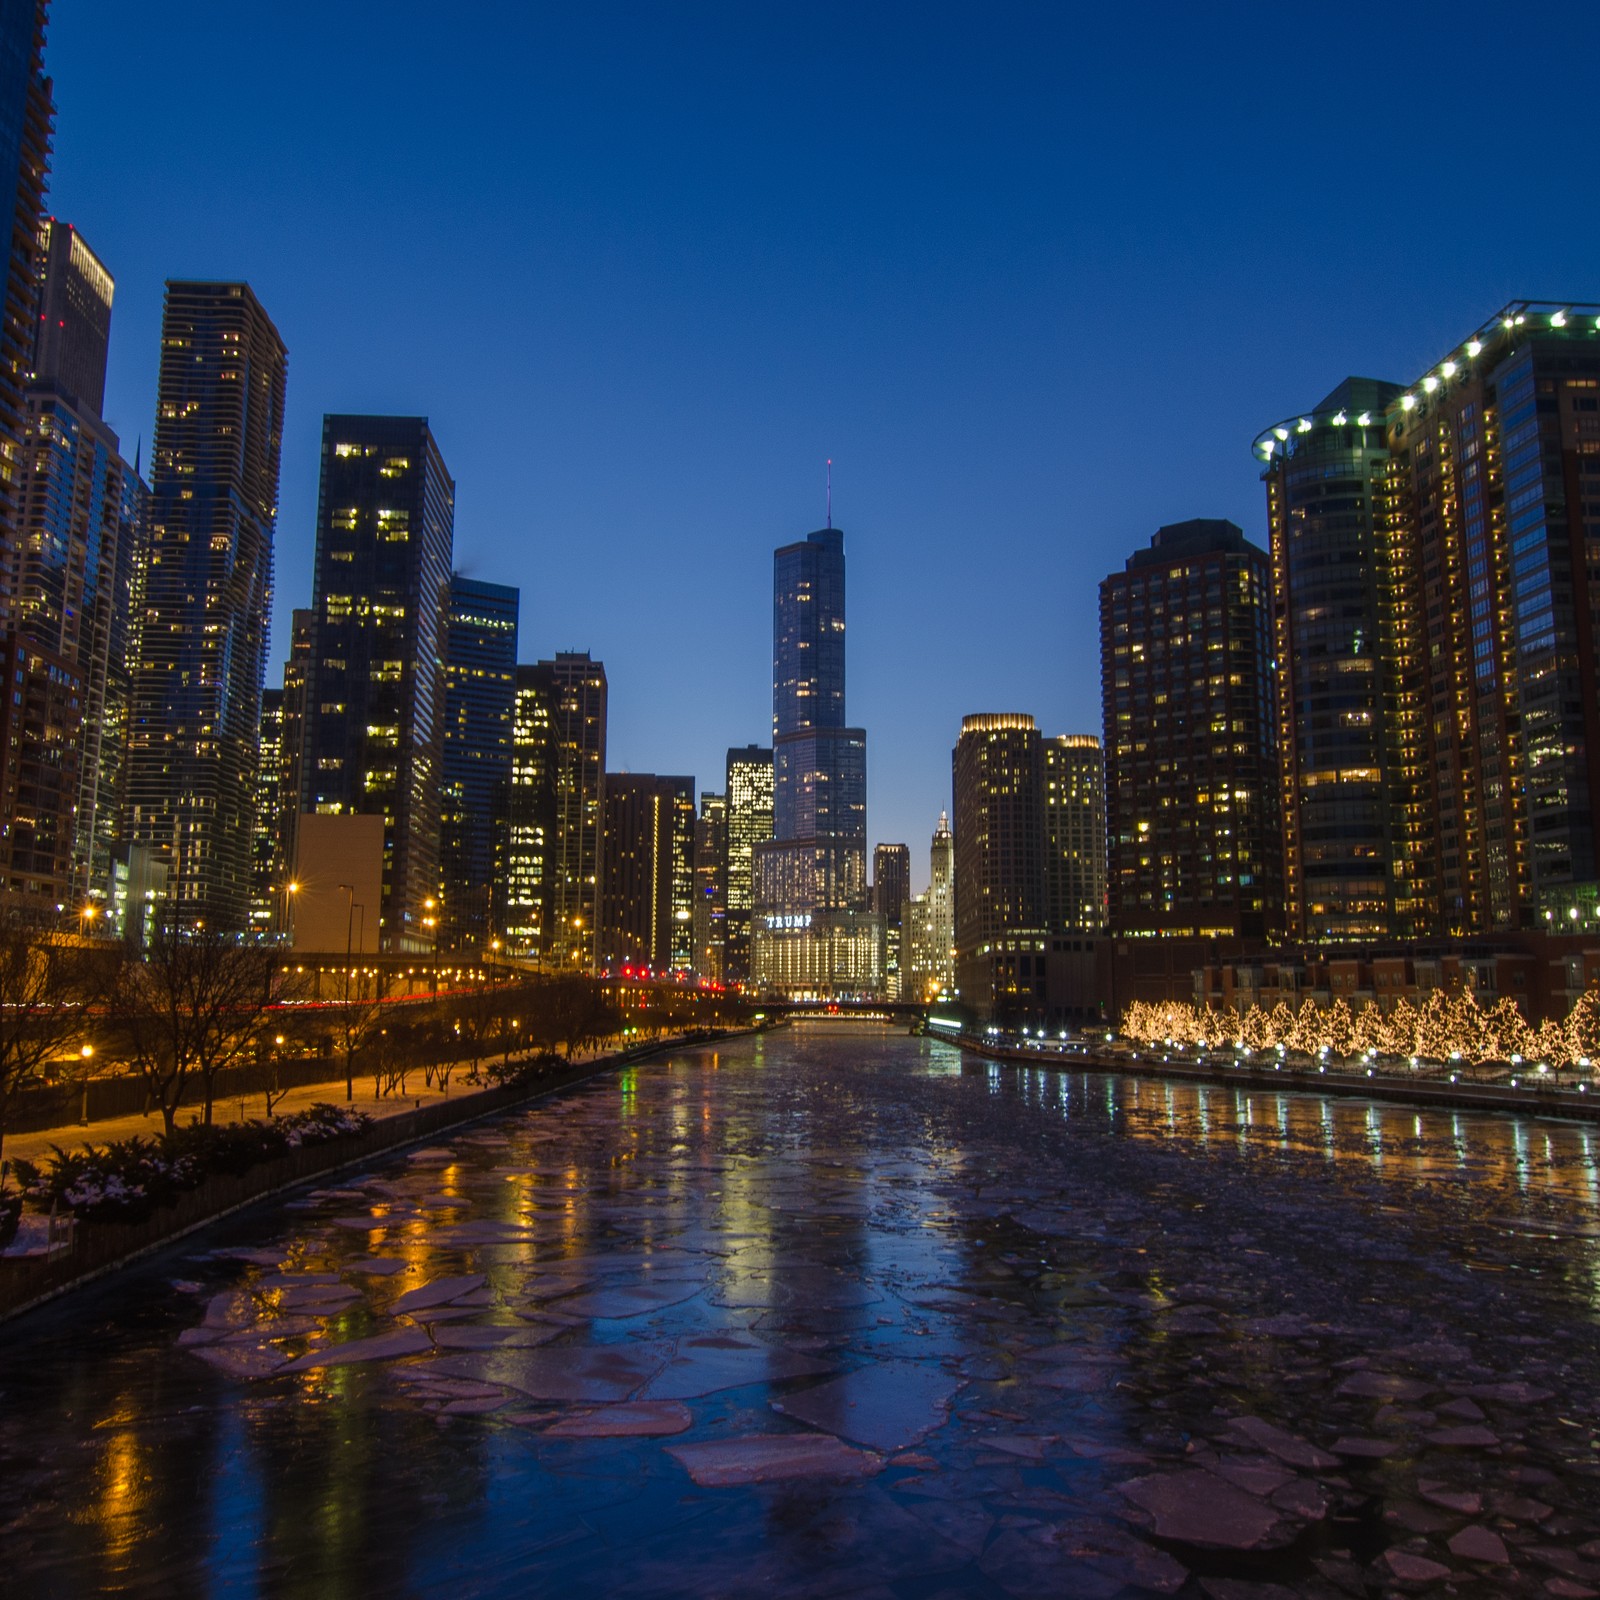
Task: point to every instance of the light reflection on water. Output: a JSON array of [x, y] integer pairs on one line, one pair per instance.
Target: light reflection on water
[[1534, 1156], [859, 1197]]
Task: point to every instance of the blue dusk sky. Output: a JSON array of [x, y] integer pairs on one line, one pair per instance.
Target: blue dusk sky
[[1032, 275]]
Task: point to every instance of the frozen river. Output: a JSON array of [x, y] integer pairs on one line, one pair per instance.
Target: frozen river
[[841, 1312]]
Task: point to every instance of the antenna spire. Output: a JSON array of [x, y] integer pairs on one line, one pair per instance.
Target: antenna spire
[[830, 493]]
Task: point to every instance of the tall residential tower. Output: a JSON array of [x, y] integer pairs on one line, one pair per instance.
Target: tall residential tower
[[207, 597]]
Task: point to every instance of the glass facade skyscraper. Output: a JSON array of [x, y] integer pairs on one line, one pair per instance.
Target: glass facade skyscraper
[[480, 707], [374, 736], [813, 926]]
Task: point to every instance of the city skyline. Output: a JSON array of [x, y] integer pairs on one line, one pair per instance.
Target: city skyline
[[989, 388]]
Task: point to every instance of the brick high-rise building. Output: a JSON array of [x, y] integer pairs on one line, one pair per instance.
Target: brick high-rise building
[[206, 598], [374, 731], [1196, 845]]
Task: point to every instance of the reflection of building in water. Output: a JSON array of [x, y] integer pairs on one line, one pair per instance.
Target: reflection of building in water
[[1396, 1141]]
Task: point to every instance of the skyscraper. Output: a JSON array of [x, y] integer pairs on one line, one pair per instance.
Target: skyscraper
[[812, 931], [374, 738], [201, 657], [709, 920], [576, 690], [80, 519], [645, 861], [891, 893], [297, 674], [681, 955], [1074, 834], [531, 816], [1497, 494], [931, 923], [26, 118], [1434, 556], [1001, 915], [480, 708], [73, 333], [1347, 636], [1196, 846], [268, 871], [747, 784]]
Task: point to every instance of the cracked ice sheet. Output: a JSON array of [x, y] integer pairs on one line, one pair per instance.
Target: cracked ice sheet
[[707, 1365], [888, 1405], [592, 1373], [773, 1458]]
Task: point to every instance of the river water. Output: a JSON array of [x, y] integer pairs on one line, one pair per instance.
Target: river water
[[840, 1312]]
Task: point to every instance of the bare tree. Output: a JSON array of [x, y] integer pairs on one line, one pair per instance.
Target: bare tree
[[191, 1007], [48, 985]]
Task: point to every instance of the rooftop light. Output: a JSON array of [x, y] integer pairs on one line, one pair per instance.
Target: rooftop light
[[1364, 418], [1305, 425], [1558, 319], [1408, 402], [1280, 433], [1430, 383], [1474, 347], [1339, 419], [1448, 369]]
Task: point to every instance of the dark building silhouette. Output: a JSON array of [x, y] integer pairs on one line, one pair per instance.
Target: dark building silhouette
[[207, 582], [374, 732], [480, 709], [1196, 846], [73, 332]]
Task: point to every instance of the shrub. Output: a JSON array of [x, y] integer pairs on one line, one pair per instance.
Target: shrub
[[126, 1180]]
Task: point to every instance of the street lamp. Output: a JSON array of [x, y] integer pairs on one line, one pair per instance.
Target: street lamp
[[87, 1054], [286, 927], [86, 918]]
